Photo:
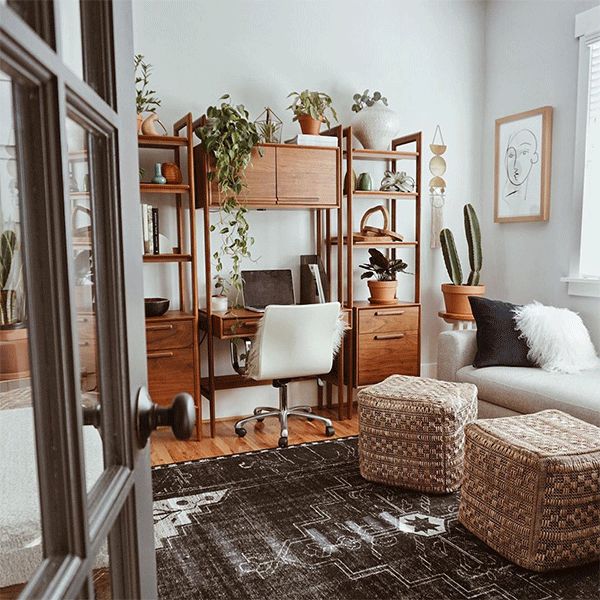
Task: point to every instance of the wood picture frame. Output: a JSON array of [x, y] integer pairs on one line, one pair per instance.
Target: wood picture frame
[[522, 166]]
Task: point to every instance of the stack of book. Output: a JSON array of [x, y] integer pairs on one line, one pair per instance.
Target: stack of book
[[303, 139], [150, 229]]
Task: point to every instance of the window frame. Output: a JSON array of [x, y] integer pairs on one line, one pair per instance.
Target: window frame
[[587, 31]]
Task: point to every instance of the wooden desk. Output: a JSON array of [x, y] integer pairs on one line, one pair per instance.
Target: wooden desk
[[239, 322]]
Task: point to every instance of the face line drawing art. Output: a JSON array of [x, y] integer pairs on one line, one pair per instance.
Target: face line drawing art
[[520, 156]]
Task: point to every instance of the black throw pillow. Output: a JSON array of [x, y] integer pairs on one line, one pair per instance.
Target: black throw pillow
[[498, 342]]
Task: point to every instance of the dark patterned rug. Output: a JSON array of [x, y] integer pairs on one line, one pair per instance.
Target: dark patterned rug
[[302, 523]]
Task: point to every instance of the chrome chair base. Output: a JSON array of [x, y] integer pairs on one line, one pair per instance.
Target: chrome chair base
[[283, 413]]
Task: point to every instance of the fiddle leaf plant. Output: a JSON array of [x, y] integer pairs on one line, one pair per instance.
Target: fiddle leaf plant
[[228, 136]]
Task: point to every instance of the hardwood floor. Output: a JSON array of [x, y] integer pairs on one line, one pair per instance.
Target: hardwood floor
[[166, 449]]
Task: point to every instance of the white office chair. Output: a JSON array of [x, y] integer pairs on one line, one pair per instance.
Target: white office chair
[[291, 341]]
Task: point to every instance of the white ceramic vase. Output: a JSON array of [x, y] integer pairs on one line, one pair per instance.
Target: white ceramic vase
[[375, 126]]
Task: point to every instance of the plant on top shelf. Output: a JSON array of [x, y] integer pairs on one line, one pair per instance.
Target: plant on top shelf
[[456, 295], [375, 124], [145, 100], [384, 270], [310, 110], [229, 137]]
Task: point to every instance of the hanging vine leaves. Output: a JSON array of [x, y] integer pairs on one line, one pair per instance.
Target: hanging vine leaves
[[229, 137]]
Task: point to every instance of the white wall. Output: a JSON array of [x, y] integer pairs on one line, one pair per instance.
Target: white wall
[[531, 61], [426, 57]]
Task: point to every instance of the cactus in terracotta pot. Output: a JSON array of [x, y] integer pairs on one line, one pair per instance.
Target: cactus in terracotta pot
[[8, 244]]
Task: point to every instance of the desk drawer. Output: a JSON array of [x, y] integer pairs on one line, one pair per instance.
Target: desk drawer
[[383, 354], [388, 320], [162, 335], [239, 327], [170, 372]]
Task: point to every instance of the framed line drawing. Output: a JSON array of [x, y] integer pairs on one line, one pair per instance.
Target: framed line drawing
[[523, 164]]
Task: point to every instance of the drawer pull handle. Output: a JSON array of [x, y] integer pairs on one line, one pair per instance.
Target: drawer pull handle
[[250, 323], [386, 313], [163, 327], [160, 354], [390, 336]]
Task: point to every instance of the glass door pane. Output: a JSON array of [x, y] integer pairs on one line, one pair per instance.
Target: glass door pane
[[20, 529]]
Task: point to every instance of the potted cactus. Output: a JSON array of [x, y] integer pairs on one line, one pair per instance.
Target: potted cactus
[[456, 295], [14, 357]]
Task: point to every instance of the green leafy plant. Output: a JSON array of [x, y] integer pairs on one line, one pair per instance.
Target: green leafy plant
[[381, 267], [365, 100], [145, 101], [312, 104], [451, 259], [269, 132], [229, 136]]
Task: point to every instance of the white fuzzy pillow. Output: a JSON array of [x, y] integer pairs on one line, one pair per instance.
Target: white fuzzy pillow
[[557, 338]]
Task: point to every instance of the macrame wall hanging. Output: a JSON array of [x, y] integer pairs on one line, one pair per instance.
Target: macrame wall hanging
[[437, 186]]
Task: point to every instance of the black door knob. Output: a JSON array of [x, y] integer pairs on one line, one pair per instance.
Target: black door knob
[[180, 416]]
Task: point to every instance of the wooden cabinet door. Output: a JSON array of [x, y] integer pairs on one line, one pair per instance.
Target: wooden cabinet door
[[260, 180], [306, 176]]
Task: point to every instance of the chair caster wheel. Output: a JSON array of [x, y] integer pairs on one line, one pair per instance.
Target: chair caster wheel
[[283, 442], [329, 431], [241, 432]]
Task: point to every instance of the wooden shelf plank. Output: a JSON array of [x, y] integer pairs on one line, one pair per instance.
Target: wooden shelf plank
[[161, 141], [366, 304], [382, 194], [171, 315], [375, 244], [365, 154], [164, 188], [164, 258]]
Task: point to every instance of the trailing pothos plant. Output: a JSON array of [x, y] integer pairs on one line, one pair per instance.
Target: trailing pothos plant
[[229, 136]]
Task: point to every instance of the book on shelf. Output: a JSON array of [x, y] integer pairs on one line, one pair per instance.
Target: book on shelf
[[303, 139], [150, 229], [155, 242]]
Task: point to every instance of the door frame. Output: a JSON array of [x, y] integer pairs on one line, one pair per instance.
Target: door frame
[[75, 525]]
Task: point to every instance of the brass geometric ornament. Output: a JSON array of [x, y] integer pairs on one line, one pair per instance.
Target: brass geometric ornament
[[437, 186]]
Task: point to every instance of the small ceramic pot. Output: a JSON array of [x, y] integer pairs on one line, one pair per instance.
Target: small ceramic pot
[[158, 176], [375, 126], [382, 292], [353, 179], [364, 183], [218, 303], [308, 125], [156, 307], [456, 298], [171, 172]]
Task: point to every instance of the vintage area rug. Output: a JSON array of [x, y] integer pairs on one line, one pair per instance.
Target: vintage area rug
[[302, 523]]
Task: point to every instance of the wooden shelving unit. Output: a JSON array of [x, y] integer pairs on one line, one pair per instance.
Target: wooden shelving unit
[[396, 348], [172, 339]]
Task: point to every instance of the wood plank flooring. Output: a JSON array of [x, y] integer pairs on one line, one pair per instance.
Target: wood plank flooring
[[166, 449]]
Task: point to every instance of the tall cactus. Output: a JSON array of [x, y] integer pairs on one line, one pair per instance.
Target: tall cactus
[[451, 256], [8, 243], [473, 234]]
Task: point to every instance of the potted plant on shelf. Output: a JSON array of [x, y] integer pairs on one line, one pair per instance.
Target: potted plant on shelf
[[14, 351], [456, 295], [145, 101], [228, 137], [310, 110], [384, 270], [375, 124]]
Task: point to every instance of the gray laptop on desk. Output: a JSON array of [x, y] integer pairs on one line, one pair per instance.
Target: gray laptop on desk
[[262, 288]]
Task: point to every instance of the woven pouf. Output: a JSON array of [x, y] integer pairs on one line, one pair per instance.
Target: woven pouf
[[412, 432], [531, 488]]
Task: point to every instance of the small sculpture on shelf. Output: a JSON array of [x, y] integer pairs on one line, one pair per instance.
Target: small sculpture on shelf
[[158, 176], [394, 181], [369, 233], [269, 127], [171, 172], [364, 183]]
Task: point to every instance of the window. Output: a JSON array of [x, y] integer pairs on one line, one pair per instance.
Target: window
[[585, 280]]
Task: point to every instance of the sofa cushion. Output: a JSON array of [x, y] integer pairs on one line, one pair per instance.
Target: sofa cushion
[[527, 390]]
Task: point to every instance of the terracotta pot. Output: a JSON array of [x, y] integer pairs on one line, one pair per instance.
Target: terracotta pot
[[308, 125], [456, 298], [14, 353], [140, 118], [382, 292]]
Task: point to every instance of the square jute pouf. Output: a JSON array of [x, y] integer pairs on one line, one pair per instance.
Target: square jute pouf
[[412, 432], [531, 488]]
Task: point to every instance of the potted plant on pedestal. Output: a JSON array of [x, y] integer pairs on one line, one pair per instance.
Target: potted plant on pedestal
[[456, 295], [14, 351], [145, 101], [310, 109], [375, 124], [383, 286], [228, 138]]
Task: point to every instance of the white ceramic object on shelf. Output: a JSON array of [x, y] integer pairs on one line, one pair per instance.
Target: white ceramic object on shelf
[[218, 303], [375, 126]]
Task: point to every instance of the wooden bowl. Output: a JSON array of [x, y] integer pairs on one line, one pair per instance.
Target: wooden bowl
[[156, 307]]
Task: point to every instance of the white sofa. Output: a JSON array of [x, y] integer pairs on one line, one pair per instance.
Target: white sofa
[[505, 391]]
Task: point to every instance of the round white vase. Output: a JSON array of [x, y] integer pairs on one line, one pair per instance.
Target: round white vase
[[375, 126]]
